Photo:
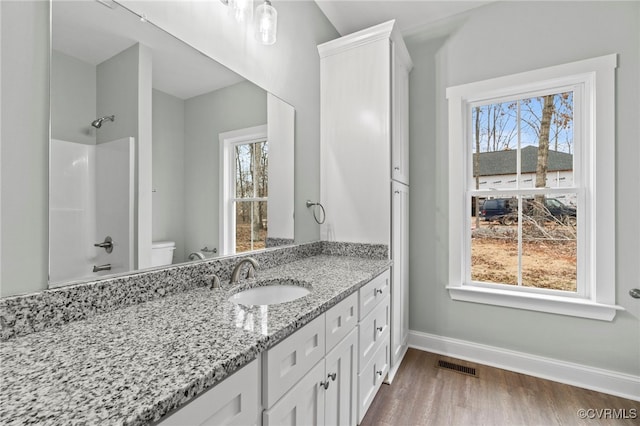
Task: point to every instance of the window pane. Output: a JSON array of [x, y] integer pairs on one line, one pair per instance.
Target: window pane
[[262, 167], [495, 143], [549, 242], [244, 175], [252, 170], [494, 252], [251, 225], [547, 141]]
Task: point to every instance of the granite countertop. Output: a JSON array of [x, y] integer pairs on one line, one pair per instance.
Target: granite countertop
[[133, 365]]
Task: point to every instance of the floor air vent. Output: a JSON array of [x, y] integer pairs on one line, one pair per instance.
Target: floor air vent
[[469, 371]]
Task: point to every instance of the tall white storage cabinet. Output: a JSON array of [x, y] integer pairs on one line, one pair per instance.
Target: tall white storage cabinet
[[400, 278], [364, 154]]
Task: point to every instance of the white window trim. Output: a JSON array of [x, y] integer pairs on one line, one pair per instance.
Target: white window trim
[[228, 140], [598, 76]]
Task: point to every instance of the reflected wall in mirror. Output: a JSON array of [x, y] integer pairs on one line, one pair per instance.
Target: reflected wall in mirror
[[137, 178]]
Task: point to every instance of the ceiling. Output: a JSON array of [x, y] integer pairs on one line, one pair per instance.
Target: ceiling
[[95, 31], [348, 16]]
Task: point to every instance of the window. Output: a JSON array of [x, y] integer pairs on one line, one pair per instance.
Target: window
[[245, 163], [525, 232], [531, 160]]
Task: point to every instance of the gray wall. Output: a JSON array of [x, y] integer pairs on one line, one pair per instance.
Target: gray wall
[[124, 90], [24, 147], [118, 94], [206, 116], [168, 171], [73, 99], [496, 40]]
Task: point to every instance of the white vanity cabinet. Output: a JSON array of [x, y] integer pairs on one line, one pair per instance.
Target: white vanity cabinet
[[310, 377], [326, 373], [364, 154], [234, 401]]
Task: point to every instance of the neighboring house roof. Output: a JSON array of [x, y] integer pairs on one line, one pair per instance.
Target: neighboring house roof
[[504, 162]]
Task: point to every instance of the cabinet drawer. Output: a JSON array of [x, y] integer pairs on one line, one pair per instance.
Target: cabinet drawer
[[234, 401], [371, 377], [286, 363], [341, 319], [372, 293], [373, 328]]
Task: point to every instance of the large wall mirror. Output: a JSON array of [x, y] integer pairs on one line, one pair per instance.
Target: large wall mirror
[[158, 154]]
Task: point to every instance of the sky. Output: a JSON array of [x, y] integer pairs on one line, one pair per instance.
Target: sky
[[504, 128]]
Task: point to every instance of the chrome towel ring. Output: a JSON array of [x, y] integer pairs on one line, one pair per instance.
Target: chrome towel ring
[[315, 216]]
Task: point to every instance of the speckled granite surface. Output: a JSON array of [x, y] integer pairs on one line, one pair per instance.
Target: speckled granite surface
[[132, 365], [371, 251], [21, 315], [24, 314]]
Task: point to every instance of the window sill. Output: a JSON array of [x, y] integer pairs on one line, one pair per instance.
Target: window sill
[[535, 302]]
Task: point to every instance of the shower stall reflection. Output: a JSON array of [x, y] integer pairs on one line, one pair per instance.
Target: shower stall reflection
[[91, 197]]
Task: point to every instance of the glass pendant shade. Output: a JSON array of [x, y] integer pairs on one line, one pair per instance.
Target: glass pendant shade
[[266, 23], [241, 10]]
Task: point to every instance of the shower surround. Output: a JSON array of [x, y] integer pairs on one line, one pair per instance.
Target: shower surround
[[91, 197]]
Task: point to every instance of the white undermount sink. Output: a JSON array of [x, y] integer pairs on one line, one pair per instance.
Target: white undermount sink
[[271, 293]]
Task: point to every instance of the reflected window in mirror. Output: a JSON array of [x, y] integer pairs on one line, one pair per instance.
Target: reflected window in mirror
[[251, 183], [245, 170]]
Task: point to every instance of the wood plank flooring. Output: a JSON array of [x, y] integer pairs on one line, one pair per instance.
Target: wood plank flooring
[[422, 394]]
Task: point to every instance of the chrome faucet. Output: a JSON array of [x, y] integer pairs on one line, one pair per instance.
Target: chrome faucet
[[235, 275]]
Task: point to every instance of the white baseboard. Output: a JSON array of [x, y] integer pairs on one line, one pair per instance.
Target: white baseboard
[[600, 380]]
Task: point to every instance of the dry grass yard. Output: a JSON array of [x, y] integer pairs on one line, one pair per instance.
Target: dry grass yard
[[546, 262]]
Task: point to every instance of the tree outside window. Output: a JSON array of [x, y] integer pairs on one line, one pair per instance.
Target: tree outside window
[[251, 192]]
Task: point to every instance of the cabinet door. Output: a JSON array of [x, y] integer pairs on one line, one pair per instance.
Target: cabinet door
[[400, 282], [371, 378], [303, 404], [400, 113], [341, 395], [355, 139], [234, 401]]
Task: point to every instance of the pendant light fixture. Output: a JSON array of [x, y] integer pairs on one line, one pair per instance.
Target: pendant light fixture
[[241, 10], [266, 23]]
